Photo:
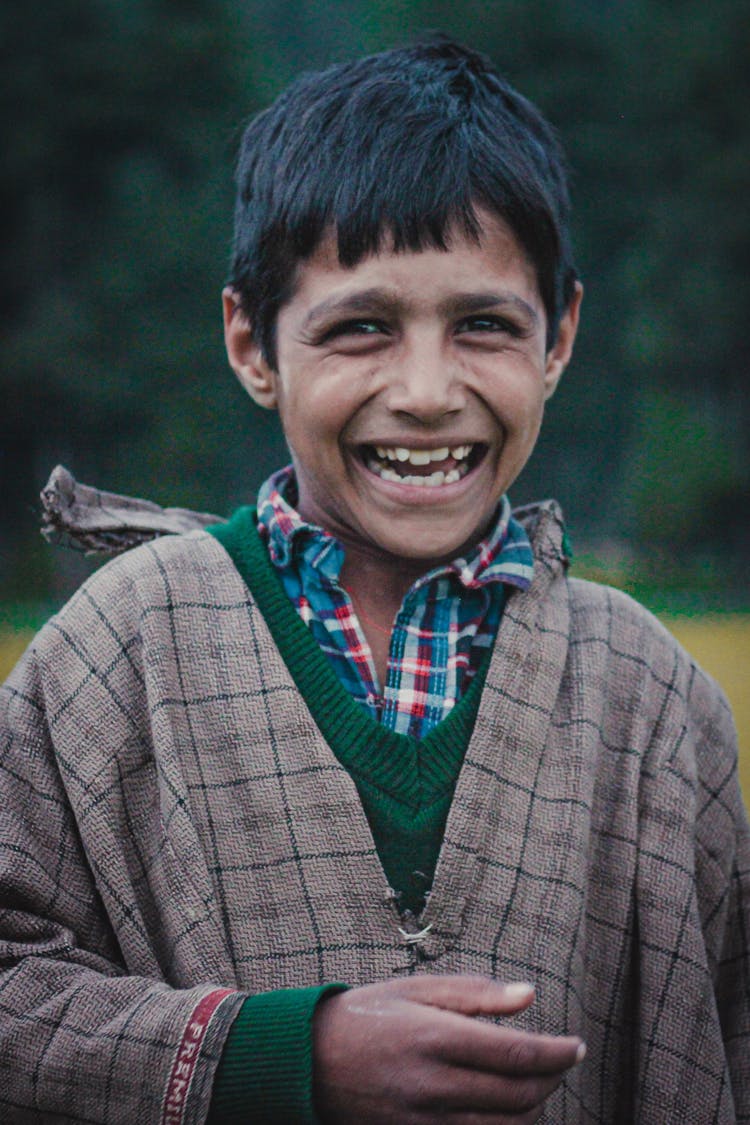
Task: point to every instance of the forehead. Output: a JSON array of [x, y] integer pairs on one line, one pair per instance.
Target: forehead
[[424, 278]]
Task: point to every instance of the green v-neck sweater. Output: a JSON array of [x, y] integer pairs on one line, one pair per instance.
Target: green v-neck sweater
[[406, 786]]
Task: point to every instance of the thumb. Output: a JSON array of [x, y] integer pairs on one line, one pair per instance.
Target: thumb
[[469, 995]]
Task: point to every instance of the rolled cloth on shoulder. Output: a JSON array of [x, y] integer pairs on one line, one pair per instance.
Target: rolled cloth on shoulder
[[92, 520]]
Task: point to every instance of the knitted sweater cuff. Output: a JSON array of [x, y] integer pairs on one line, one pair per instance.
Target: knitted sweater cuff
[[265, 1072]]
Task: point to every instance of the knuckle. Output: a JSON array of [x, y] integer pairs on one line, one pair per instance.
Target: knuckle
[[521, 1055], [425, 1094], [427, 1040]]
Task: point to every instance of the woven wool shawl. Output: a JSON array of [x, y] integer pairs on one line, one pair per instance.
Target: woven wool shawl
[[176, 833]]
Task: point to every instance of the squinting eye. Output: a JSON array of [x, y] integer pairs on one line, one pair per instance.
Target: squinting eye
[[355, 328], [488, 324]]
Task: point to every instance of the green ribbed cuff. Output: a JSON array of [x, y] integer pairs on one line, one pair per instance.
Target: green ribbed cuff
[[265, 1071]]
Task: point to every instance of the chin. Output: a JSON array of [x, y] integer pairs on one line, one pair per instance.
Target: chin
[[418, 549]]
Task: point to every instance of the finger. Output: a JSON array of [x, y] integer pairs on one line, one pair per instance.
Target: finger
[[469, 995], [504, 1050], [460, 1092], [482, 1117]]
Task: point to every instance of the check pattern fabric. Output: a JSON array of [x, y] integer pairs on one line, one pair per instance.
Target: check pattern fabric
[[441, 634], [173, 823]]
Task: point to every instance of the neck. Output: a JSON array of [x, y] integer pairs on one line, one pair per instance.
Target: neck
[[379, 585]]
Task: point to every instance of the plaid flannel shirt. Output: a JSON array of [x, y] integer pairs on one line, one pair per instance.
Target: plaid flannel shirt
[[446, 623]]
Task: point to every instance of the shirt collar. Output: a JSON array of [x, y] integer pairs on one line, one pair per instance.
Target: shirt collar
[[504, 555], [287, 534]]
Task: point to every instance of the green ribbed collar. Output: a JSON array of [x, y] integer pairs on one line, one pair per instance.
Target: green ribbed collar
[[414, 772]]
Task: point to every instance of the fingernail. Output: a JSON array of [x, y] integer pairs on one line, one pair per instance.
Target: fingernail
[[581, 1053], [518, 991]]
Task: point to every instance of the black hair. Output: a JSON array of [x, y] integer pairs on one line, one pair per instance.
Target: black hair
[[408, 144]]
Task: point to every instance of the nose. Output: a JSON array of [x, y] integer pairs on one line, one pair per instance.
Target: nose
[[425, 382]]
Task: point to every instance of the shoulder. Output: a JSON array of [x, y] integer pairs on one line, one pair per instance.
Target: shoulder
[[635, 676], [675, 713], [664, 707], [649, 671], [144, 586], [131, 634], [610, 616]]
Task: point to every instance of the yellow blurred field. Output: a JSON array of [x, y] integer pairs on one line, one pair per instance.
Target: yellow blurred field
[[11, 647], [720, 644]]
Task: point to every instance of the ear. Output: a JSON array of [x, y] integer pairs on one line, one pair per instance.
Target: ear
[[559, 354], [245, 357]]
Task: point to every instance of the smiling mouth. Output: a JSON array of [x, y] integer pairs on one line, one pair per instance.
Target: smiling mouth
[[423, 468]]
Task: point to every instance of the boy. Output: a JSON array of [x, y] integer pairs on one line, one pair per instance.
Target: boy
[[369, 733]]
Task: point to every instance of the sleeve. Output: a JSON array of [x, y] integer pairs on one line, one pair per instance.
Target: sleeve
[[693, 913], [722, 846], [80, 1038], [267, 1062]]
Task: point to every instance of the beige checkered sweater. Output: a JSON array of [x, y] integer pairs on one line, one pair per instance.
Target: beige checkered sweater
[[175, 832]]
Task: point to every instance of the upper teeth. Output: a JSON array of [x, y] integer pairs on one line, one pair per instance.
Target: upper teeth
[[422, 456]]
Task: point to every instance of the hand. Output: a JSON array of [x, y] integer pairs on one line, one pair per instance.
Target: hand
[[409, 1051]]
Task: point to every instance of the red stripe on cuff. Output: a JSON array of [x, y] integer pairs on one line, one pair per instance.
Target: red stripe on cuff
[[186, 1058]]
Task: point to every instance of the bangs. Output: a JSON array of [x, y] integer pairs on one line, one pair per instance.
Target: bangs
[[400, 150], [409, 178]]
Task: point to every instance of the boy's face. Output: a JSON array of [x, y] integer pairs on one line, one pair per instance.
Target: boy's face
[[411, 388]]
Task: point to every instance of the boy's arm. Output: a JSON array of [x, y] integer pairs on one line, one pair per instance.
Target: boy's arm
[[80, 1038], [693, 887], [733, 981], [722, 856]]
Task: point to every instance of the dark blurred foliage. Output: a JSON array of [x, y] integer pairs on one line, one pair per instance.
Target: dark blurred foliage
[[121, 123]]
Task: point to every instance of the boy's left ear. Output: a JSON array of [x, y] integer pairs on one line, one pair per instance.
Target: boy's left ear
[[559, 354], [245, 357]]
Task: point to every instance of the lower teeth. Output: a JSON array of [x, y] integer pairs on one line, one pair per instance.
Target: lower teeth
[[434, 480]]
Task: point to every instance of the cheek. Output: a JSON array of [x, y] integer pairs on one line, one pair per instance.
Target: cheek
[[518, 403], [511, 380], [323, 400], [529, 424], [520, 418]]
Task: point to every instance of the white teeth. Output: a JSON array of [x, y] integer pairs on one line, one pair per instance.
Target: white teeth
[[419, 456], [387, 456], [434, 480]]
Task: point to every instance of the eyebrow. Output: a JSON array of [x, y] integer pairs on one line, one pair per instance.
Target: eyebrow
[[383, 301], [363, 301], [476, 302]]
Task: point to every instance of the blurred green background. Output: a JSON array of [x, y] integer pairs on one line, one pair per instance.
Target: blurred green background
[[121, 125]]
